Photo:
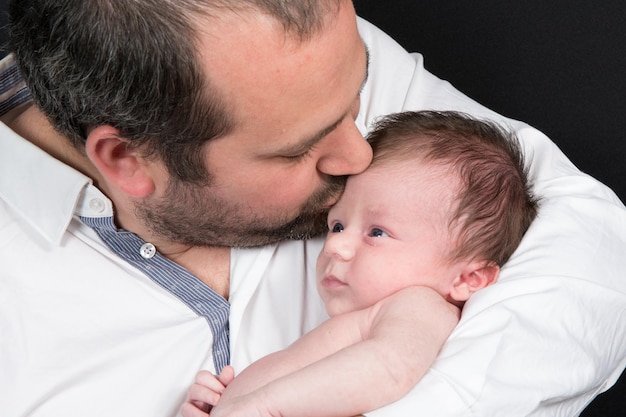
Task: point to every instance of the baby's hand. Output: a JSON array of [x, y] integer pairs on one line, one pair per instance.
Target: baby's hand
[[249, 405], [206, 392]]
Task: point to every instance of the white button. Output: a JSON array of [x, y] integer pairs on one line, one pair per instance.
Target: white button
[[147, 250], [96, 205]]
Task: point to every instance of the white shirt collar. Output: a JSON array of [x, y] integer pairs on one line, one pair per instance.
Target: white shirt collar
[[43, 190]]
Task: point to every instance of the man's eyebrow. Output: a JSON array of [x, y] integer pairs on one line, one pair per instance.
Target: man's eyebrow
[[307, 144], [312, 141]]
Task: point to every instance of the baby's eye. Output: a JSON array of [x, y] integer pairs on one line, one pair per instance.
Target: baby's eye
[[337, 228], [376, 232]]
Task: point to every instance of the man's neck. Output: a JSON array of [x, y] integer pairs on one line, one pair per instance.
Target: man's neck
[[32, 125], [210, 264]]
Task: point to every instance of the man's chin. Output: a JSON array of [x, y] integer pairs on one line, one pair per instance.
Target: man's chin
[[312, 227]]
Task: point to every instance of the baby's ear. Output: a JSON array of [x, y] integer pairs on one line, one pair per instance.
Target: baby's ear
[[475, 276], [118, 163]]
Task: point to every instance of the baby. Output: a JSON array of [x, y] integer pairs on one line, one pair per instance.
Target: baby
[[443, 205]]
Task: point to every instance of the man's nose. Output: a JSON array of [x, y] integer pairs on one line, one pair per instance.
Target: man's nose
[[347, 151]]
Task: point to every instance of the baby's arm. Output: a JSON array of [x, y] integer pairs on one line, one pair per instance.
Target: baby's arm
[[351, 364], [324, 340]]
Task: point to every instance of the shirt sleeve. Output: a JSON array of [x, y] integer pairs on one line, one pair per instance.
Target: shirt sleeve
[[547, 338]]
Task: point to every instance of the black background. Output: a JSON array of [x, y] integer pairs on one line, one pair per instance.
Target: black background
[[558, 65]]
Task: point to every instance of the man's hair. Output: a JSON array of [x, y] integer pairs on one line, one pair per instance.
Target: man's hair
[[494, 205], [133, 65]]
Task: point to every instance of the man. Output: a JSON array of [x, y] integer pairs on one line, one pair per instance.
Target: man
[[198, 126]]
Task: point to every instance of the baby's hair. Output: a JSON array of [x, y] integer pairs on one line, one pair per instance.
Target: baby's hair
[[495, 204]]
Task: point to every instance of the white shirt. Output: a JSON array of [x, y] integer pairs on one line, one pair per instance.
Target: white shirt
[[83, 332]]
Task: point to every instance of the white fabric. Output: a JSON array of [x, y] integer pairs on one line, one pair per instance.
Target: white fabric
[[82, 332]]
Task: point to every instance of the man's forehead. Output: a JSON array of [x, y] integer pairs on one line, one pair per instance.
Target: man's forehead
[[297, 19], [284, 98]]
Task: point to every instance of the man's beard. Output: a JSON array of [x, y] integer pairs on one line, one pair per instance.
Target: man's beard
[[191, 215]]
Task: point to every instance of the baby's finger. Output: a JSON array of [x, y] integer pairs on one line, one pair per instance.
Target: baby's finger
[[201, 394], [227, 375], [210, 381], [190, 410]]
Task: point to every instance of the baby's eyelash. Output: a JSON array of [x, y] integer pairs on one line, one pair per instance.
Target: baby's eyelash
[[336, 227], [377, 232]]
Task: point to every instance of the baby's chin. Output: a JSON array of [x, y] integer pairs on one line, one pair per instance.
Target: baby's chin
[[337, 309]]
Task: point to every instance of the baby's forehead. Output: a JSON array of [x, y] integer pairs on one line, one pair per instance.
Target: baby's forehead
[[419, 179], [408, 165]]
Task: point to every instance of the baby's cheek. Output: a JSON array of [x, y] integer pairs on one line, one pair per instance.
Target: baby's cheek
[[322, 261]]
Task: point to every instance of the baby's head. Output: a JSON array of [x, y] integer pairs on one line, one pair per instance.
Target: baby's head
[[444, 204], [494, 203]]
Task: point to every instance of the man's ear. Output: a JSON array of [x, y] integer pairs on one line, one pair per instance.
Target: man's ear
[[119, 164], [474, 276]]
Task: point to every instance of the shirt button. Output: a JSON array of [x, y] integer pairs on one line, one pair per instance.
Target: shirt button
[[96, 205], [147, 250]]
